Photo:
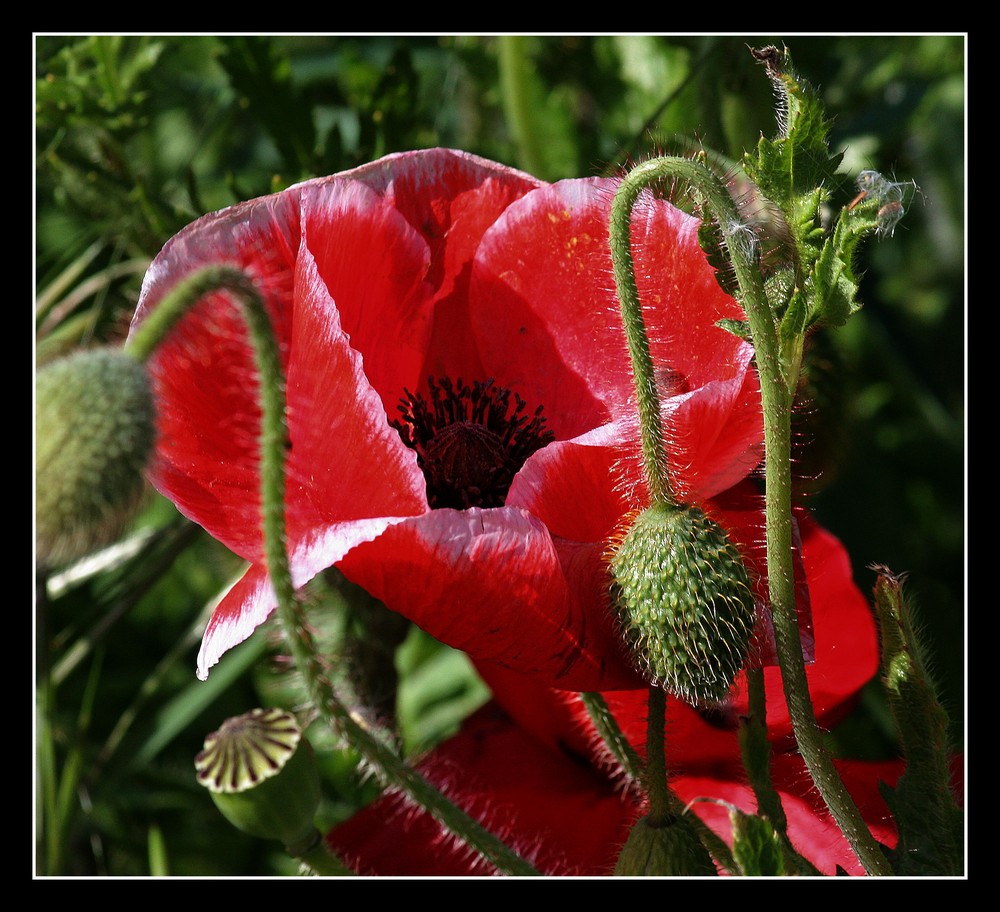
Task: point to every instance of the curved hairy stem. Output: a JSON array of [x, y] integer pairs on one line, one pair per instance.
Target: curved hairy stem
[[392, 770]]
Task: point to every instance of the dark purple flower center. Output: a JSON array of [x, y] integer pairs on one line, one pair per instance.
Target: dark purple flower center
[[470, 441]]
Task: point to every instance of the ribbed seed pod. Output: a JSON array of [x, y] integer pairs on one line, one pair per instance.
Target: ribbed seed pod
[[672, 850], [94, 432], [262, 775], [684, 601]]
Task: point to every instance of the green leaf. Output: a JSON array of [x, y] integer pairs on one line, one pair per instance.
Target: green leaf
[[439, 688], [756, 845], [930, 823], [795, 169], [788, 169], [796, 172], [159, 859], [739, 328], [793, 323], [198, 696]]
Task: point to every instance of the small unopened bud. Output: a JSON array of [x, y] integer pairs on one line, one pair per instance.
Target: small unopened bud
[[684, 601], [94, 432], [672, 850], [262, 775]]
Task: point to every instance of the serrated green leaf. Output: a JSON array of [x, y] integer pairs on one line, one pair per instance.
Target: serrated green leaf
[[833, 288], [798, 160], [795, 170], [793, 322], [756, 845], [739, 328]]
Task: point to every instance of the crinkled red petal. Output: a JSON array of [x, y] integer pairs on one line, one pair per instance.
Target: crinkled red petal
[[846, 660], [494, 584], [561, 816]]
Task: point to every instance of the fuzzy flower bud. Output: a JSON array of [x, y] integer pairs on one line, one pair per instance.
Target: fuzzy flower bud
[[684, 601], [262, 775], [673, 850], [94, 432]]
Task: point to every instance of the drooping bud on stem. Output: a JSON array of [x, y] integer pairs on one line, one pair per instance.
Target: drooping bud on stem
[[684, 601], [678, 584], [94, 432], [273, 440]]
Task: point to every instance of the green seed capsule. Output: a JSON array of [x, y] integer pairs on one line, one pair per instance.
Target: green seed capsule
[[684, 601], [262, 775]]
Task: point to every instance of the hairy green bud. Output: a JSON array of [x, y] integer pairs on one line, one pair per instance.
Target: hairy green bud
[[672, 850], [684, 601], [94, 432]]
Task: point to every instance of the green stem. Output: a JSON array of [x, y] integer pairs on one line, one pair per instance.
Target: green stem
[[612, 735], [188, 291], [632, 765], [317, 856], [653, 455], [776, 399], [515, 84], [781, 590], [657, 790], [273, 436], [755, 750], [646, 392]]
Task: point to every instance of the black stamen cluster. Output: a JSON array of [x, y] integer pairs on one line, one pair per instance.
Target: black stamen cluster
[[470, 442]]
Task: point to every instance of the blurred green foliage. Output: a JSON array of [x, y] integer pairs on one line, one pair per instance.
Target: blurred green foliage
[[137, 136]]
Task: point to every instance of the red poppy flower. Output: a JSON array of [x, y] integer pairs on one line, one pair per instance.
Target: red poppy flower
[[569, 817], [562, 815], [462, 432], [534, 771]]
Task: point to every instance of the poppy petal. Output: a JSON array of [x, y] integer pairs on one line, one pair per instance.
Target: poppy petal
[[560, 816], [511, 594]]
